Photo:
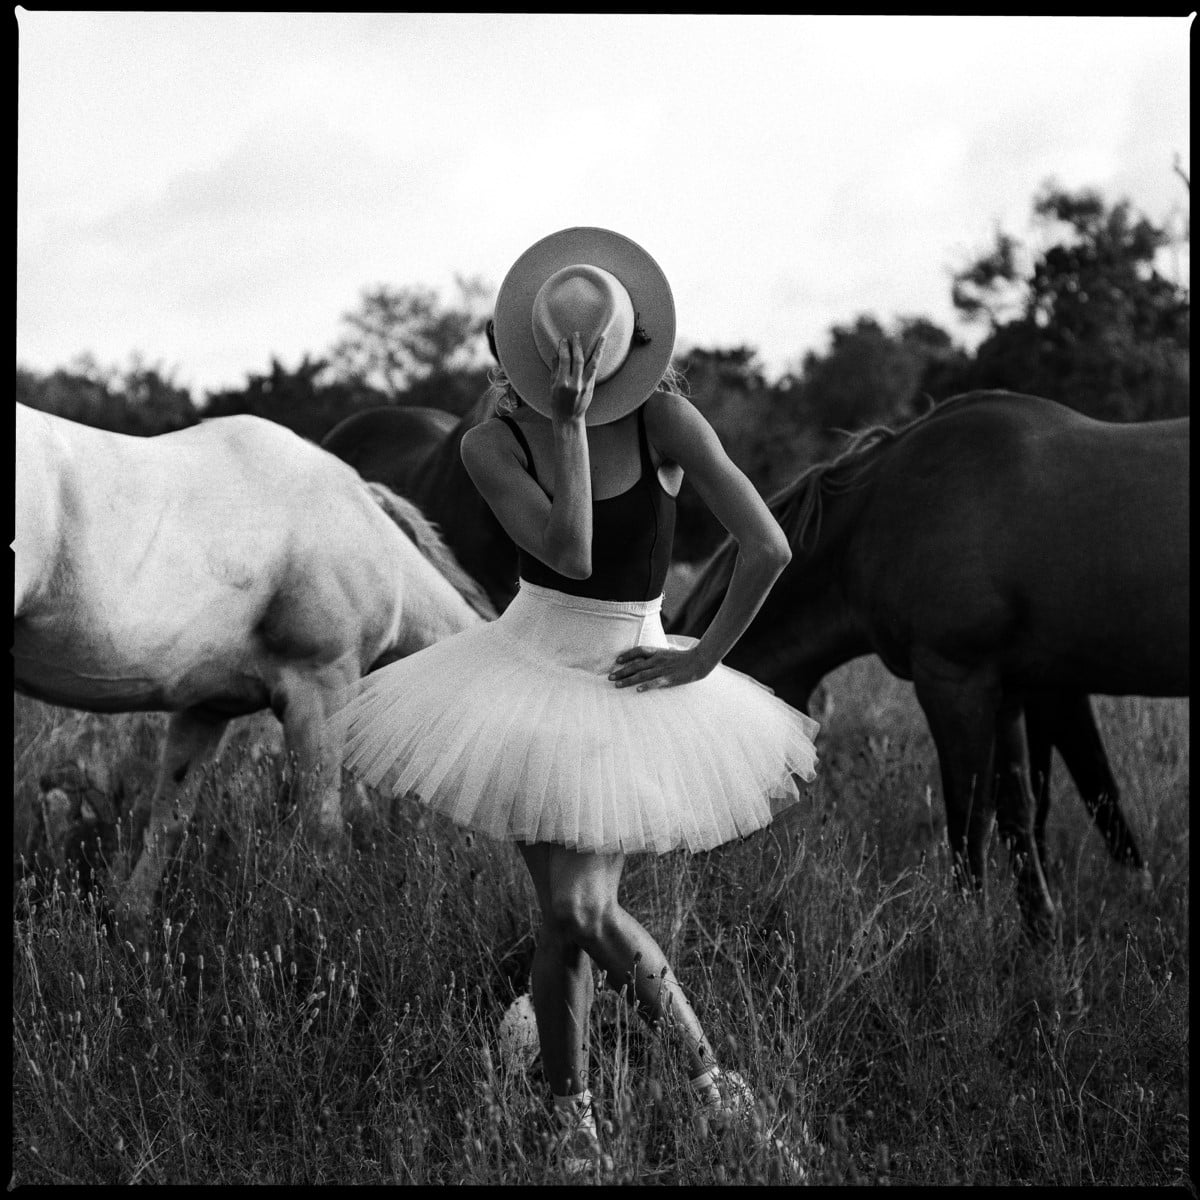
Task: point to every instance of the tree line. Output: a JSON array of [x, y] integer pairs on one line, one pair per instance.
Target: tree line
[[1086, 318]]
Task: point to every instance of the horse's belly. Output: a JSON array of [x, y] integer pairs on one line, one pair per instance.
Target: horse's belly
[[1114, 668], [46, 675], [1103, 648], [57, 668]]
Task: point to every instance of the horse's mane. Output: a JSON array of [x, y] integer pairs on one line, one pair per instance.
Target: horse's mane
[[426, 536], [798, 505]]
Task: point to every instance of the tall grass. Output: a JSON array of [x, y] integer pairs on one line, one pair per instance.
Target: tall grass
[[307, 1020]]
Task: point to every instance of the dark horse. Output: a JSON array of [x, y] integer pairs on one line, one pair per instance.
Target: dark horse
[[1010, 557], [415, 452]]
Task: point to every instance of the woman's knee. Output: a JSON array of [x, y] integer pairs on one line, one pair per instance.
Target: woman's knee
[[581, 915]]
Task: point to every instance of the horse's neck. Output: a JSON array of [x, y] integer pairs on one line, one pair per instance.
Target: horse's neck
[[808, 625], [806, 630]]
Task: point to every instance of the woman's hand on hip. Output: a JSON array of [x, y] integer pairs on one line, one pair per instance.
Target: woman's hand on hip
[[574, 380], [647, 667]]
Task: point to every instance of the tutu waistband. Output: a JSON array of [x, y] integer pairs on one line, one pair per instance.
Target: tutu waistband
[[631, 608], [576, 631]]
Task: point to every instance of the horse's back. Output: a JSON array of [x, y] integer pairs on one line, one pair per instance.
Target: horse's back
[[1044, 475], [216, 485], [165, 560], [1011, 521]]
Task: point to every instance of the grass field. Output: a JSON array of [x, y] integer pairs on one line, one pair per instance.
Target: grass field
[[306, 1021]]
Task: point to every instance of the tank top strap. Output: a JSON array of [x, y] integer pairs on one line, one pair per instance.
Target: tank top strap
[[644, 442], [523, 443]]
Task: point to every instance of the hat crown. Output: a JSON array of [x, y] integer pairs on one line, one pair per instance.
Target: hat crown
[[590, 301]]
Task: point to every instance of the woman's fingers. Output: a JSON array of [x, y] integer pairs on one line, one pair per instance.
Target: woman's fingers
[[562, 361], [634, 654], [593, 361], [574, 375], [639, 666], [577, 360]]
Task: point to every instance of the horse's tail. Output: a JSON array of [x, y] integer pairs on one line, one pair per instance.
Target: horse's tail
[[427, 538]]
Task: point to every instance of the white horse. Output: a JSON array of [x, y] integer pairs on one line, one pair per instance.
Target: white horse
[[211, 573]]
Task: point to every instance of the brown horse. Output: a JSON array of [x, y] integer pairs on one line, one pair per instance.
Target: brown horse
[[1010, 557], [415, 452]]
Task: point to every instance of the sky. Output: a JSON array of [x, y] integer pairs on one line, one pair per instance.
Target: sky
[[209, 191]]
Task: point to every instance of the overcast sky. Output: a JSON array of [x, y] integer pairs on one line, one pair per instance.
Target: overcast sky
[[213, 189]]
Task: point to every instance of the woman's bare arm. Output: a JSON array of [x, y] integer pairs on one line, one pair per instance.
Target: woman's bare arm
[[558, 532], [680, 434]]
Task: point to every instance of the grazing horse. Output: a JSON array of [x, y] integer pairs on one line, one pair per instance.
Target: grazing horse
[[415, 452], [212, 573], [1010, 557]]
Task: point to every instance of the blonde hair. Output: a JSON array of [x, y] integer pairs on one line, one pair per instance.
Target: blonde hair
[[502, 397]]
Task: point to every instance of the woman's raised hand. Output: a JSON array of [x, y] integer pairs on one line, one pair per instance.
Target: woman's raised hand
[[574, 379]]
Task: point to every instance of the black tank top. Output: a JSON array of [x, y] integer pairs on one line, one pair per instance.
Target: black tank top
[[632, 534]]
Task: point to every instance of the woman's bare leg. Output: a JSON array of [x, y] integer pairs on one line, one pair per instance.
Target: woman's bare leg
[[578, 896], [561, 986]]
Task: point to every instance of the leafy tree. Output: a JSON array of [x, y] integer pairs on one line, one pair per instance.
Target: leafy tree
[[942, 360], [409, 346], [297, 398], [775, 430], [981, 291], [1096, 325], [139, 399], [872, 376], [757, 423]]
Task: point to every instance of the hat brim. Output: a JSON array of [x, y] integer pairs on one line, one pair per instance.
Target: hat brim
[[642, 277]]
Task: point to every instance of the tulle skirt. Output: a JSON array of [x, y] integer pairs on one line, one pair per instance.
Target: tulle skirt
[[514, 729]]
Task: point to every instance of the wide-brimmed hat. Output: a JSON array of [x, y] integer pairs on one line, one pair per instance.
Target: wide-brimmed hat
[[592, 281]]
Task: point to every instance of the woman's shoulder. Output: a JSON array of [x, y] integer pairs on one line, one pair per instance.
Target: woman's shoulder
[[485, 438], [670, 417], [493, 438]]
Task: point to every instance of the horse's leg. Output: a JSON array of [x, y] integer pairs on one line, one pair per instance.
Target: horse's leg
[[1078, 741], [1015, 809], [1039, 742], [960, 706], [307, 700], [192, 742]]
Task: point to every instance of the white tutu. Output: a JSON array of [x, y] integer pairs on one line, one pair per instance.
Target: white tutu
[[513, 728]]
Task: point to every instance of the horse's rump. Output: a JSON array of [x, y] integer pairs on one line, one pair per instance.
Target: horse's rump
[[391, 445]]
